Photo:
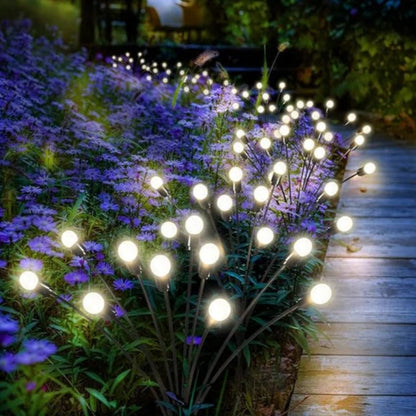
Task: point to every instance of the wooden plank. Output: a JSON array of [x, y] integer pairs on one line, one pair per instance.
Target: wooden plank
[[336, 405], [386, 287], [344, 268], [365, 339], [379, 207], [357, 375], [370, 310]]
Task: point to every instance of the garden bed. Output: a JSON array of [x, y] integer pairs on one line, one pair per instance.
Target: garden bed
[[196, 213]]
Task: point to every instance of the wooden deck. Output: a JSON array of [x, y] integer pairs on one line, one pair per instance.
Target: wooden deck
[[367, 365]]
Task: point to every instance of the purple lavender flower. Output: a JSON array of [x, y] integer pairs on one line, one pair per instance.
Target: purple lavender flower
[[35, 351], [30, 386], [118, 311], [3, 264], [195, 340], [123, 284], [78, 261], [34, 265], [46, 224], [8, 362], [92, 246], [8, 328], [104, 268], [75, 277], [43, 244]]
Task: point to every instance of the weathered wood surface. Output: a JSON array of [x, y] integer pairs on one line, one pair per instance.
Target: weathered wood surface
[[365, 361], [328, 405]]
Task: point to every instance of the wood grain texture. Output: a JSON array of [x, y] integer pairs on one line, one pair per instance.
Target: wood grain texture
[[331, 405]]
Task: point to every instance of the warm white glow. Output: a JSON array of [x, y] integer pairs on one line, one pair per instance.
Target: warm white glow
[[328, 136], [290, 108], [294, 114], [272, 108], [206, 91], [69, 238], [308, 144], [240, 133], [186, 88], [169, 229], [238, 147], [282, 85], [224, 203], [226, 83], [303, 247], [260, 109], [93, 303], [321, 127], [259, 85], [235, 174], [156, 182], [286, 119], [234, 91], [205, 73], [179, 64], [359, 139], [200, 192], [236, 106], [320, 294], [261, 194], [330, 104], [265, 143], [319, 153], [280, 168], [29, 280], [264, 236], [194, 224], [265, 96], [284, 130], [344, 223], [286, 97], [367, 129], [331, 188], [351, 117], [219, 309], [209, 254], [369, 168], [309, 103], [160, 265], [245, 94], [128, 251], [300, 104], [315, 115]]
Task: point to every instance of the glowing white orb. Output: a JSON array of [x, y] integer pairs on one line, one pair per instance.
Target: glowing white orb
[[156, 182], [209, 254], [240, 133], [265, 96], [331, 188], [200, 192], [367, 129], [206, 91], [284, 130], [264, 236], [321, 126], [236, 106], [93, 303], [286, 97], [286, 119], [219, 309], [235, 174], [320, 294], [272, 108], [309, 103], [344, 223], [245, 94], [282, 85], [261, 194], [194, 224], [369, 168], [224, 203], [234, 91], [259, 85], [351, 117], [238, 147], [319, 153], [359, 139], [128, 251], [260, 109], [330, 104], [328, 136], [290, 108], [294, 114], [69, 238], [169, 229], [300, 104], [303, 247], [160, 265], [315, 115], [280, 168], [308, 144], [265, 143], [29, 280]]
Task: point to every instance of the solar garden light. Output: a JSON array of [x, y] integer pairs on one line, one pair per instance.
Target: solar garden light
[[157, 183], [70, 239], [367, 169]]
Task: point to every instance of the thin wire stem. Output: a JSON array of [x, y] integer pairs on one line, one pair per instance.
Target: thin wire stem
[[172, 340]]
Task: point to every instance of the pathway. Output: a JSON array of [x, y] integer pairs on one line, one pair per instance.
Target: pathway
[[367, 366]]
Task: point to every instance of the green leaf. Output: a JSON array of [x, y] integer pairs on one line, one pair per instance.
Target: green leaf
[[247, 355], [119, 379], [100, 397]]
